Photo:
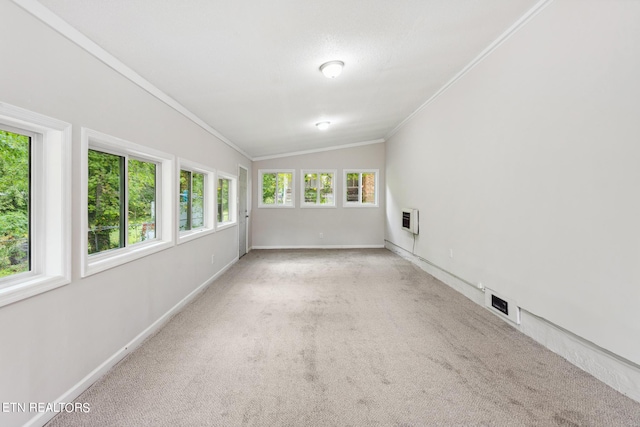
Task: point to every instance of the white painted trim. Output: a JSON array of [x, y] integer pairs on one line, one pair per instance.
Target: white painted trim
[[319, 150], [321, 247], [233, 200], [51, 205], [334, 175], [615, 371], [165, 206], [209, 201], [226, 225], [537, 8], [293, 188], [359, 204], [58, 24], [465, 288], [43, 417], [248, 204]]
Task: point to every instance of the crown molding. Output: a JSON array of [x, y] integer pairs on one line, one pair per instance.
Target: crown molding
[[58, 24], [319, 150], [524, 19]]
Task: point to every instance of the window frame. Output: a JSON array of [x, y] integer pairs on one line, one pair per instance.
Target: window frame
[[359, 203], [303, 200], [261, 172], [209, 200], [97, 262], [233, 200], [50, 204]]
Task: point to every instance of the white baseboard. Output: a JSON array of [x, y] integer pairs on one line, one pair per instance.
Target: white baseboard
[[321, 247], [75, 391], [615, 371]]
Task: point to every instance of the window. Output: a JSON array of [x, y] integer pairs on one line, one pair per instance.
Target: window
[[15, 202], [121, 201], [126, 208], [35, 187], [276, 188], [226, 199], [361, 188], [318, 188], [195, 200], [191, 200]]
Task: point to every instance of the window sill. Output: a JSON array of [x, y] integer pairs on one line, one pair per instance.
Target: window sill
[[29, 287], [318, 207], [276, 206], [359, 205], [186, 236], [100, 262], [226, 225]]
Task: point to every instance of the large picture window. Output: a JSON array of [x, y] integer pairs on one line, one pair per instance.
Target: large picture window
[[276, 188], [361, 188], [126, 193], [35, 201], [318, 189]]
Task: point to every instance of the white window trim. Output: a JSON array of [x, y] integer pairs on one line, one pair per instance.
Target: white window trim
[[359, 203], [303, 202], [50, 205], [233, 201], [95, 263], [209, 200], [293, 188]]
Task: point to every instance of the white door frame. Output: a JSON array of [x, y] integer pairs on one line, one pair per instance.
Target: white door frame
[[246, 213]]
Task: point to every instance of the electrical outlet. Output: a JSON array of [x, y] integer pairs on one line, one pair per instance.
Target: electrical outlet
[[213, 258], [451, 253], [321, 235]]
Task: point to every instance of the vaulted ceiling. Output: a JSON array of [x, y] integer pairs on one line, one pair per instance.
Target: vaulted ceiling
[[250, 69]]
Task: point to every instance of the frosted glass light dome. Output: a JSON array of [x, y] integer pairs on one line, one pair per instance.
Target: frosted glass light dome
[[332, 69]]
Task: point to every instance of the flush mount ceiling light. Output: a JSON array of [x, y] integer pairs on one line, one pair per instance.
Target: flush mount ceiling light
[[332, 69], [323, 125]]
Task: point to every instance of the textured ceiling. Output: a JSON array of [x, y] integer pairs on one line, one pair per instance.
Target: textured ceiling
[[249, 69]]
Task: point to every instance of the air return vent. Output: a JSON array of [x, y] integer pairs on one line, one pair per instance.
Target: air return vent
[[503, 307]]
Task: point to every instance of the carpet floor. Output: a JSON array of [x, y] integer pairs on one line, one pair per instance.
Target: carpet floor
[[343, 338]]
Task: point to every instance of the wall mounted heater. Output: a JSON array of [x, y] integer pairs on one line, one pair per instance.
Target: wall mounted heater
[[410, 220]]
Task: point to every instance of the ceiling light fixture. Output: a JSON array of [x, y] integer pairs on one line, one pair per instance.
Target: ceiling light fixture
[[332, 69], [323, 125]]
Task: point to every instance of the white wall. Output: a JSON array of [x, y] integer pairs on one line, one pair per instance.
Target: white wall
[[50, 342], [528, 169], [301, 227]]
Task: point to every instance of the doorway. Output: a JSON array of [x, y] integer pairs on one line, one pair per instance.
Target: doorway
[[243, 213]]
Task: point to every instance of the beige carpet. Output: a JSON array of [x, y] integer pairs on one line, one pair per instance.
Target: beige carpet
[[343, 338]]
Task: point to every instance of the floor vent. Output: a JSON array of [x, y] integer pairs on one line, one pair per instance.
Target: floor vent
[[502, 306]]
